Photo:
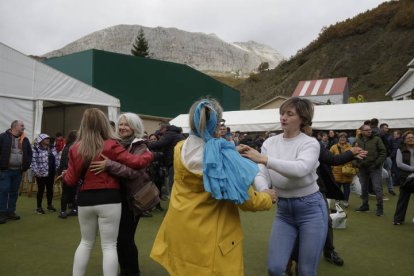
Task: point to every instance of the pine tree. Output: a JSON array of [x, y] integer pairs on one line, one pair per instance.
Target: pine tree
[[140, 46]]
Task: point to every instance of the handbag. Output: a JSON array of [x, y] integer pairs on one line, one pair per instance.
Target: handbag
[[339, 218], [408, 185], [145, 197], [349, 170]]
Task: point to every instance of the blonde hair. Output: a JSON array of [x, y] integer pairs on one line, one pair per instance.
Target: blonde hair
[[204, 115], [303, 107], [94, 130], [134, 122]]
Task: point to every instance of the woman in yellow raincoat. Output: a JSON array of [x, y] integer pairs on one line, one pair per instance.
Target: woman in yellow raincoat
[[201, 232], [343, 179]]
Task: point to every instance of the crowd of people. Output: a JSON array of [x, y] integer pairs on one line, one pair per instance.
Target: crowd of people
[[207, 177]]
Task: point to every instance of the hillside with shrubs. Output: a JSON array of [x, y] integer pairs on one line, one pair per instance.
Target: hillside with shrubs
[[371, 49]]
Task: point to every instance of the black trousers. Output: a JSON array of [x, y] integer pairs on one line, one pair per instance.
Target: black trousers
[[42, 183], [126, 247], [402, 205], [68, 197]]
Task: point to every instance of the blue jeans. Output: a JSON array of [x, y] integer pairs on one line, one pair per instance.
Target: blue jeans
[[304, 217], [9, 189], [387, 166]]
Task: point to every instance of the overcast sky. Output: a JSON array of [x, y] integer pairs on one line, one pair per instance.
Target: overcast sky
[[40, 26]]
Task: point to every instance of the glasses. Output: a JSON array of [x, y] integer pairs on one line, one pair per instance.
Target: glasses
[[409, 138], [367, 130]]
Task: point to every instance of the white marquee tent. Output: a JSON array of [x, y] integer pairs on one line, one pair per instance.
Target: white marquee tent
[[43, 97], [397, 114]]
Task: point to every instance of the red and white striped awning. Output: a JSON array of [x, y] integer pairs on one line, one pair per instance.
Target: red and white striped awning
[[321, 87]]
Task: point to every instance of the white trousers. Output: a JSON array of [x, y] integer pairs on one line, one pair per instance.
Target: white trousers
[[106, 218]]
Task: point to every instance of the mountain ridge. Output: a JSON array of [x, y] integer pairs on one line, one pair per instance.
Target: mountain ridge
[[204, 52]]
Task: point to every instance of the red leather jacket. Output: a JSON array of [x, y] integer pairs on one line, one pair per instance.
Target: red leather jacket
[[104, 180]]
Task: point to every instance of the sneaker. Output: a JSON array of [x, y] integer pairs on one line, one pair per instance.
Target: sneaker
[[392, 193], [380, 211], [334, 258], [50, 208], [40, 211], [345, 204], [73, 212], [63, 215], [159, 208], [146, 214], [363, 208], [396, 222], [12, 216]]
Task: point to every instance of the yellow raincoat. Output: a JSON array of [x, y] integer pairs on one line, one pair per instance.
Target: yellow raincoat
[[337, 170], [201, 235]]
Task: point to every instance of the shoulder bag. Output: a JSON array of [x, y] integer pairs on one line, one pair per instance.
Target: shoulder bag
[[408, 185]]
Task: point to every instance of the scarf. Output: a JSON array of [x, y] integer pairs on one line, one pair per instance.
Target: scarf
[[226, 174], [126, 142]]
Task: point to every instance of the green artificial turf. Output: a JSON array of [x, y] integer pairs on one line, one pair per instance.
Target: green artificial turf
[[370, 245]]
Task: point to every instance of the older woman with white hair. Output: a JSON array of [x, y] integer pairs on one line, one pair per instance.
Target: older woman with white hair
[[130, 130]]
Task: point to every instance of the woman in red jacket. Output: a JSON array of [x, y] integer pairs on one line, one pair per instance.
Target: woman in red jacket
[[99, 198]]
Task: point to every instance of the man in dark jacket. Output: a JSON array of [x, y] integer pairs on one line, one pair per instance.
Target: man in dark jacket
[[371, 167], [170, 136], [329, 189], [15, 158]]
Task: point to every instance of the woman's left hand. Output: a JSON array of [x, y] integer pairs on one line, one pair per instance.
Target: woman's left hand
[[99, 166]]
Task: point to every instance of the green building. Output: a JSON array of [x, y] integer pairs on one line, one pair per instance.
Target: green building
[[145, 86]]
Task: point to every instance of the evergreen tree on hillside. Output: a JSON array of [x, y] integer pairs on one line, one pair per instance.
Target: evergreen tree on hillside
[[140, 46]]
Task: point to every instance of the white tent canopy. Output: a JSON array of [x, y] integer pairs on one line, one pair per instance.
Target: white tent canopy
[[397, 114], [27, 86]]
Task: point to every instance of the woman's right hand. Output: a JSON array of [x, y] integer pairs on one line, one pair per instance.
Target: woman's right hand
[[272, 194], [99, 166], [254, 155]]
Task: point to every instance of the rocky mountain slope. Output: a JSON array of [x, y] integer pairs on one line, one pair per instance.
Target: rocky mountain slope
[[204, 52], [371, 49]]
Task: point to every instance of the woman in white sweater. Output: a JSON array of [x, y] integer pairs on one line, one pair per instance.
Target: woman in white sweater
[[288, 163]]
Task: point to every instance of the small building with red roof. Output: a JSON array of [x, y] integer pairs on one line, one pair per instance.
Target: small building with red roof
[[324, 91]]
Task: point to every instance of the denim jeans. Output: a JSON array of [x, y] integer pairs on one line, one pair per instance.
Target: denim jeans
[[9, 189], [387, 166], [304, 217]]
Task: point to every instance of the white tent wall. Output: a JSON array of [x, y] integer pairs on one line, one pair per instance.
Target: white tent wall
[[27, 85], [397, 114], [64, 118], [8, 114]]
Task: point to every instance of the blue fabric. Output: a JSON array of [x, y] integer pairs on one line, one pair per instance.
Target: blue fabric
[[226, 174]]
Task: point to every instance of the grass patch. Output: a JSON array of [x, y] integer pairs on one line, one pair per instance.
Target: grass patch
[[45, 244]]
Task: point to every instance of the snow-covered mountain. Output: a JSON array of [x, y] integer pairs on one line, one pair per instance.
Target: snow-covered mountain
[[204, 52]]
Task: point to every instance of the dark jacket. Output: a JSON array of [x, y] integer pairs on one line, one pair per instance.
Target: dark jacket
[[5, 151], [376, 152], [167, 143], [132, 180], [395, 144], [406, 159], [104, 180], [326, 180], [64, 159]]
